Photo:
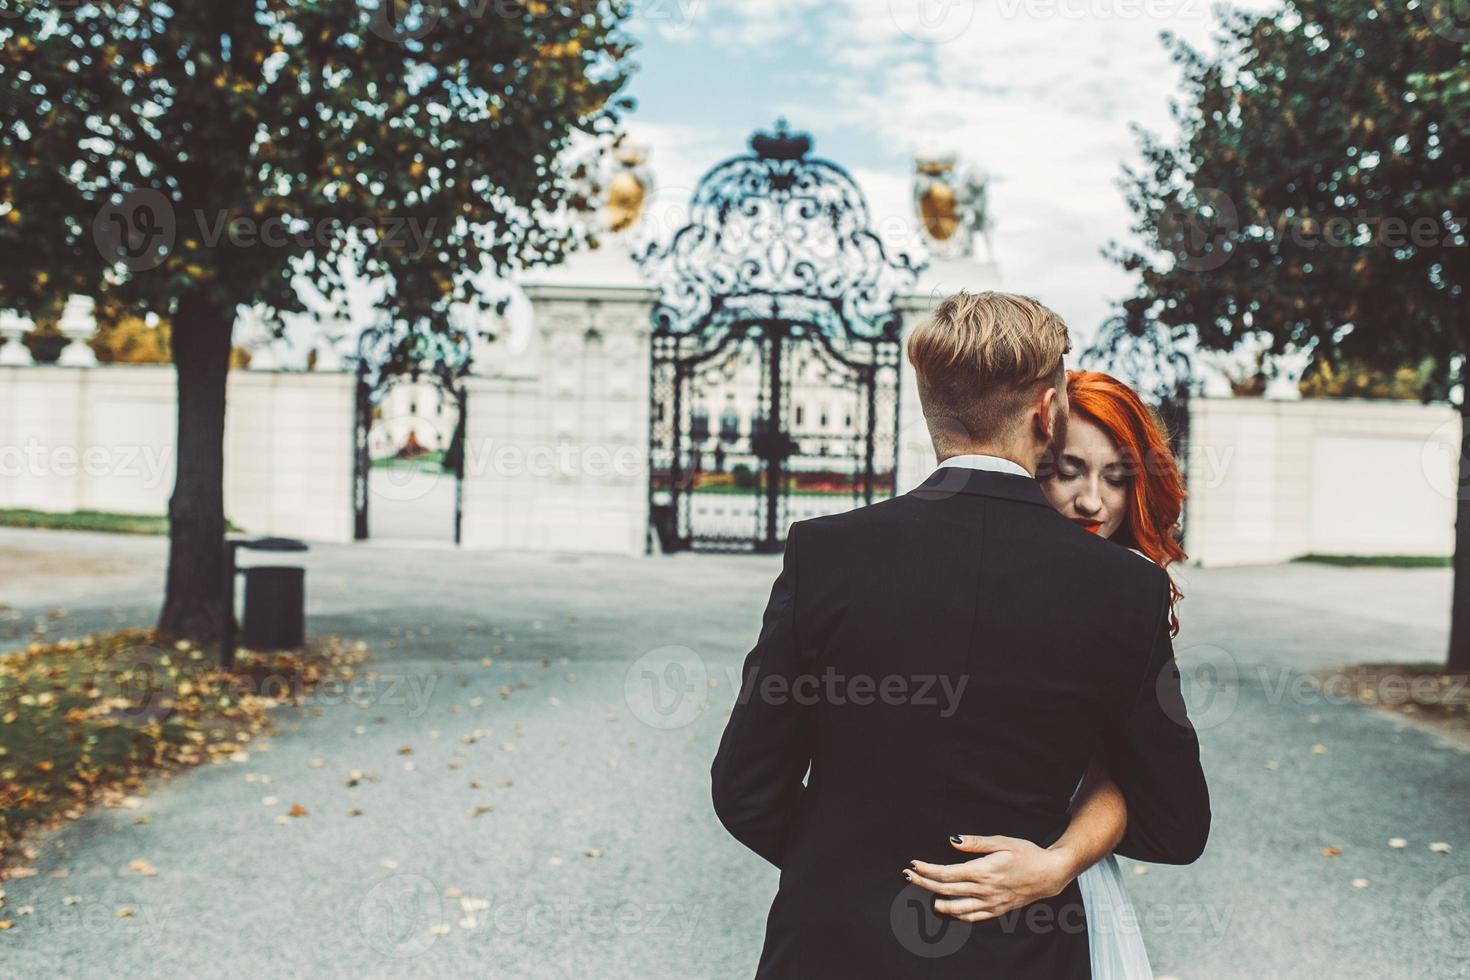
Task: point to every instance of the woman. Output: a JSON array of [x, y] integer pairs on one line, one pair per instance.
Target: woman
[[1116, 478]]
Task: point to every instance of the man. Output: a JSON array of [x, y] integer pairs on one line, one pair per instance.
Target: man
[[951, 661]]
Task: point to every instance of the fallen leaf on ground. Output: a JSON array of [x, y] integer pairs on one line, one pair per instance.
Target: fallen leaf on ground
[[1440, 847], [1397, 842], [1331, 852], [297, 810], [143, 866]]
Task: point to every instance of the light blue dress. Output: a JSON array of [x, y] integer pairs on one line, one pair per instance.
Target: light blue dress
[[1113, 932]]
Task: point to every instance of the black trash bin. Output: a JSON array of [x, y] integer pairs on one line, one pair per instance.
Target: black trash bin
[[275, 600], [275, 607]]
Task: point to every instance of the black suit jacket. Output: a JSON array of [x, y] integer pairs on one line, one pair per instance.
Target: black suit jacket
[[949, 662]]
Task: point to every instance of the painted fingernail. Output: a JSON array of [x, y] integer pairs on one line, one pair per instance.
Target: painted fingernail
[[906, 876], [956, 838]]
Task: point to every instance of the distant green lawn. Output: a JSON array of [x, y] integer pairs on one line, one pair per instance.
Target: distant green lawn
[[433, 461], [85, 520], [1382, 561]]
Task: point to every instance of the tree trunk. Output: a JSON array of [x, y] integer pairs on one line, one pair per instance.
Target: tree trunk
[[1459, 659], [193, 605]]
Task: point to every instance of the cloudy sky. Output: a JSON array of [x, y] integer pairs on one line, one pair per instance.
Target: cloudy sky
[[1041, 93]]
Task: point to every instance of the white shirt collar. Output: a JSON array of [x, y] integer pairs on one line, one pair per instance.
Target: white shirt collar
[[976, 461]]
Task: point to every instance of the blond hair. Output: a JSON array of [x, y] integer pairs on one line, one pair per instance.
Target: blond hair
[[981, 358]]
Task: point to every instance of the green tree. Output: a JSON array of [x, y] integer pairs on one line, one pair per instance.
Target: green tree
[[1316, 197], [189, 159]]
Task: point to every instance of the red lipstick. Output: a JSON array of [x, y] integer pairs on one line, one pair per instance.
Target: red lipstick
[[1087, 524]]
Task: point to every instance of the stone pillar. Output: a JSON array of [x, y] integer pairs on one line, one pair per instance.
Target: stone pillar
[[557, 429], [13, 353], [78, 325]]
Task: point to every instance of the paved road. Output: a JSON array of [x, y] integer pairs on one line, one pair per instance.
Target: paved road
[[600, 855]]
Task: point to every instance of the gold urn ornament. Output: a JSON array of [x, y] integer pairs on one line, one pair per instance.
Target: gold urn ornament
[[951, 203], [628, 187]]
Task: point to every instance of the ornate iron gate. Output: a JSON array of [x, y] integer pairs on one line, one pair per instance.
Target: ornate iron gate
[[386, 354], [775, 352]]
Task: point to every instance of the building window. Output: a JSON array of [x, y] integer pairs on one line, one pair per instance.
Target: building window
[[730, 424]]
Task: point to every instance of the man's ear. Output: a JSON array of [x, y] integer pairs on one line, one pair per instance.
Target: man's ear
[[1043, 418]]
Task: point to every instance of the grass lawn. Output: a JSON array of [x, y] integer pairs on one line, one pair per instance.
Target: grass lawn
[[87, 721], [432, 461], [1382, 561], [85, 520]]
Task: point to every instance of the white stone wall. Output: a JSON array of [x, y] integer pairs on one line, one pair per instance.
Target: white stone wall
[[288, 453], [557, 430], [1273, 480], [557, 439], [86, 438], [102, 438]]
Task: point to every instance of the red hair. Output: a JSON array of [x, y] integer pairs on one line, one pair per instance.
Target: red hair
[[1156, 490]]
